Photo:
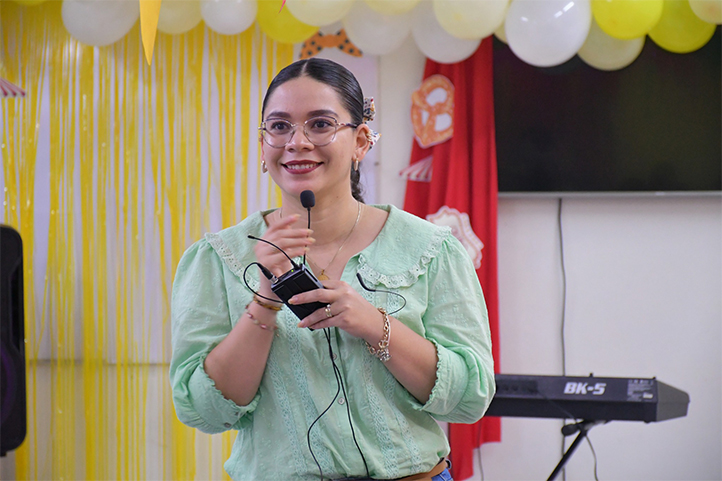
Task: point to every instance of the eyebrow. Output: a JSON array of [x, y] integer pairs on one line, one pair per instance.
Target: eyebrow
[[314, 113]]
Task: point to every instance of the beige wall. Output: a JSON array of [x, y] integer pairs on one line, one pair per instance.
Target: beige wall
[[644, 290]]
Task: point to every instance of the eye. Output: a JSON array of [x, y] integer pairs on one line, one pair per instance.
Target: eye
[[278, 126], [320, 124]]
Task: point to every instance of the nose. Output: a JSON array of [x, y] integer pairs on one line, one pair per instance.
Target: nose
[[298, 140]]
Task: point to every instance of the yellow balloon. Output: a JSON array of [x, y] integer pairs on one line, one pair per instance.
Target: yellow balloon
[[392, 7], [29, 3], [470, 20], [500, 33], [627, 19], [680, 30], [280, 25]]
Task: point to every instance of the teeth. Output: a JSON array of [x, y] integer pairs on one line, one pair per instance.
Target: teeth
[[300, 166]]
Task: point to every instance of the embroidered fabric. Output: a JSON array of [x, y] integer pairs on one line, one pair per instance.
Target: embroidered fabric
[[229, 259], [407, 278]]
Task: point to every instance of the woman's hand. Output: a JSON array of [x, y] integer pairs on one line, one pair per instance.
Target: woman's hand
[[413, 358], [345, 309], [293, 241]]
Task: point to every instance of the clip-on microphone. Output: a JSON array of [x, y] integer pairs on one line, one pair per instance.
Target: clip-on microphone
[[299, 278]]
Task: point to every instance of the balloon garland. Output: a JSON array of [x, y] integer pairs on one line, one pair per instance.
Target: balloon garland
[[607, 34]]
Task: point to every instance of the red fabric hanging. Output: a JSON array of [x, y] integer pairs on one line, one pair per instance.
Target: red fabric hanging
[[464, 177]]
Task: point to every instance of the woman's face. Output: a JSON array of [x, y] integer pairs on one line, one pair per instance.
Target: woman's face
[[301, 165]]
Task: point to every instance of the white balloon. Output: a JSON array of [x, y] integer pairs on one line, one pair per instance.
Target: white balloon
[[604, 52], [319, 12], [178, 16], [707, 10], [545, 33], [470, 19], [435, 42], [375, 33], [99, 22], [392, 7], [229, 17]]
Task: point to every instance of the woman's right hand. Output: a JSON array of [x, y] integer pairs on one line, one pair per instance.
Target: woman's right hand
[[293, 241]]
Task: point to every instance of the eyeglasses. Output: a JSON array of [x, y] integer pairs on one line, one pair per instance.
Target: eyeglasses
[[319, 131]]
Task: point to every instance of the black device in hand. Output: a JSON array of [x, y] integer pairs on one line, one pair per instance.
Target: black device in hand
[[299, 278]]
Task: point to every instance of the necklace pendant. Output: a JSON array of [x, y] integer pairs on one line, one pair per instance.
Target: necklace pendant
[[322, 276]]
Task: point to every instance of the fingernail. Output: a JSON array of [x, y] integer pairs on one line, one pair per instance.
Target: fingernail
[[301, 324], [292, 300]]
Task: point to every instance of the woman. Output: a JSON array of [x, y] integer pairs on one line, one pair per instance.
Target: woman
[[357, 395]]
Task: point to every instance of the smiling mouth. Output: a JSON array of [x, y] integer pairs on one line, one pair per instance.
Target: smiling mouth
[[301, 167]]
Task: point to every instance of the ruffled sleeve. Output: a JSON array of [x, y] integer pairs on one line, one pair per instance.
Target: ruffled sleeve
[[200, 320], [444, 302], [456, 321]]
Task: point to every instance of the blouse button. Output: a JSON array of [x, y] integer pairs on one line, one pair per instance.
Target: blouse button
[[228, 425], [341, 401]]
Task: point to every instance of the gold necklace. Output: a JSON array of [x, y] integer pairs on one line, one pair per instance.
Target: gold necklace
[[322, 276]]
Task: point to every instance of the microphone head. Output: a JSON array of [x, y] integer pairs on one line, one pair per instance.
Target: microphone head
[[308, 200]]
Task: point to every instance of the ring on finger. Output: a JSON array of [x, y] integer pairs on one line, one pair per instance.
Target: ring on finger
[[328, 310]]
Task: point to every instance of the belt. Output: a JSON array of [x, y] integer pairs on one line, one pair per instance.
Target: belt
[[438, 469], [435, 471]]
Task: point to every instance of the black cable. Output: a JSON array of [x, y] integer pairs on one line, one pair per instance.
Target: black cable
[[571, 416], [564, 287], [594, 454], [564, 309], [265, 271], [563, 338], [339, 388], [348, 408], [361, 281], [481, 466], [293, 263], [308, 433]]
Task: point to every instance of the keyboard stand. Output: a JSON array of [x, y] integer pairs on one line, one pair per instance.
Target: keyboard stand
[[583, 428]]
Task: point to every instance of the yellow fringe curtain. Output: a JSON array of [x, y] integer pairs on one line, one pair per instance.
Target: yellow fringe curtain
[[110, 169]]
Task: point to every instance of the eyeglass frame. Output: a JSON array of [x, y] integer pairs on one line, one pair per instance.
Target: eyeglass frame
[[294, 127]]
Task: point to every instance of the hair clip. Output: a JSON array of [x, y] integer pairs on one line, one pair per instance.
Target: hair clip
[[369, 109]]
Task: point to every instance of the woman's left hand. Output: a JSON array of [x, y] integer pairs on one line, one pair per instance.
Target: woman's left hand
[[345, 309], [414, 359]]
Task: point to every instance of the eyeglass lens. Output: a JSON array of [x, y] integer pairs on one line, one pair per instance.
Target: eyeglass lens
[[319, 131]]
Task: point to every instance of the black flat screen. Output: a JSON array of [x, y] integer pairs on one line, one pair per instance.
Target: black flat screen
[[653, 126]]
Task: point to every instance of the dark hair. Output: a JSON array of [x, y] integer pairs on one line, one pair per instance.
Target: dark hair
[[338, 78]]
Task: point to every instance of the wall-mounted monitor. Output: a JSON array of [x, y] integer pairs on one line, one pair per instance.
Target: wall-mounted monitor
[[654, 126]]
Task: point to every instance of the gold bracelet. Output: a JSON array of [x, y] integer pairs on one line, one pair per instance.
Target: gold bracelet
[[382, 352], [267, 306]]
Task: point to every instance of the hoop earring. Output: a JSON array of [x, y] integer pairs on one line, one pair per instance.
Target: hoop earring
[[264, 169]]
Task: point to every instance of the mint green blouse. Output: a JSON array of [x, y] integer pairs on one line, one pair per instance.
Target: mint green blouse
[[398, 435]]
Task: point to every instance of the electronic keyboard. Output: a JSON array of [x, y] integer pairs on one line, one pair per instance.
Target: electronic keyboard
[[589, 398]]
